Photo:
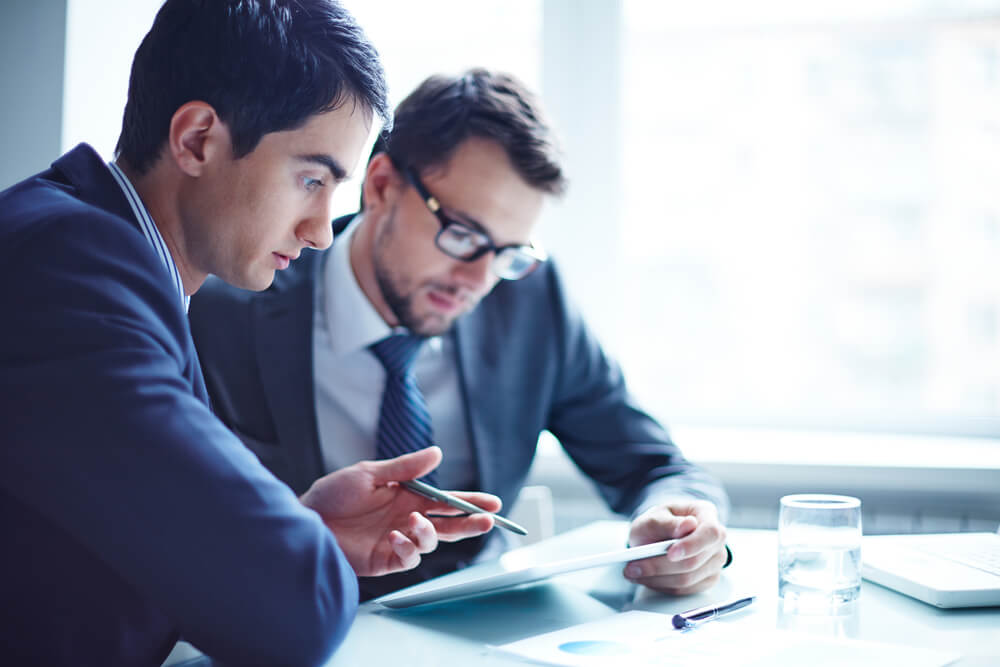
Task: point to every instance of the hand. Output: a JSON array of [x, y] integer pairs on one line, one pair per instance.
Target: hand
[[692, 564], [382, 527]]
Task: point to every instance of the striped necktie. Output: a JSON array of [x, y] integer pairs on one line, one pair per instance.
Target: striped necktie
[[404, 424]]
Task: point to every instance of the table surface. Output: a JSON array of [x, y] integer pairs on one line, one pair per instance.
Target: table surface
[[460, 632]]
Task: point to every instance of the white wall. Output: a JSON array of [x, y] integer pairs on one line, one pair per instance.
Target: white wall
[[64, 67], [31, 31]]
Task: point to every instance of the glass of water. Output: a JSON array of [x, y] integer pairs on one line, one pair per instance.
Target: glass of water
[[819, 552]]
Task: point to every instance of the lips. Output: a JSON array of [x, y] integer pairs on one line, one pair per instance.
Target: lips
[[443, 301], [282, 261]]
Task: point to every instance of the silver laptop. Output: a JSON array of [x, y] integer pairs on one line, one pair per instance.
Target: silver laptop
[[946, 570]]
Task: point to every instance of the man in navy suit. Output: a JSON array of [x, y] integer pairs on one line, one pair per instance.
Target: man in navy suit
[[442, 249], [130, 514]]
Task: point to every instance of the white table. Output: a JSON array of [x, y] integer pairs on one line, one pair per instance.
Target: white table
[[458, 633]]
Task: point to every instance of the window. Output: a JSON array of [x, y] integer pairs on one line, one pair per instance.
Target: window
[[810, 226], [418, 39], [780, 213], [415, 39]]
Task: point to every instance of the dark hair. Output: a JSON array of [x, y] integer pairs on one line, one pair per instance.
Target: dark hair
[[264, 66], [444, 111]]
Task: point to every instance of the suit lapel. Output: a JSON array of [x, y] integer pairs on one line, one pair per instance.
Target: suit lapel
[[474, 364], [88, 173], [283, 320], [197, 379], [92, 178]]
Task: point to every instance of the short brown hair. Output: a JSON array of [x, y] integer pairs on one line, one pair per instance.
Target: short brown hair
[[444, 111]]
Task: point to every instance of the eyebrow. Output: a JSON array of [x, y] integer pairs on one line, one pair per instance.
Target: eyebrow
[[458, 216], [336, 169], [466, 220]]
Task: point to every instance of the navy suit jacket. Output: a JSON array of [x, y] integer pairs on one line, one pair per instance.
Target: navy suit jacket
[[131, 515], [526, 360]]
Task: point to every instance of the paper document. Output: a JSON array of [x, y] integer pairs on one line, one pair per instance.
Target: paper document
[[641, 639]]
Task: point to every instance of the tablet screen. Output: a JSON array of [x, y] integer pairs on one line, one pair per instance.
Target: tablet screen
[[512, 569]]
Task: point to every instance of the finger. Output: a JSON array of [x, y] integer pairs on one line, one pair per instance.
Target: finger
[[702, 510], [452, 529], [695, 508], [485, 501], [677, 575], [407, 555], [405, 467], [662, 566], [660, 524], [393, 553], [421, 532], [704, 541]]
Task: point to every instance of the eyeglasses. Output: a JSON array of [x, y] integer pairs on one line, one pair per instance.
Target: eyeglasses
[[459, 240]]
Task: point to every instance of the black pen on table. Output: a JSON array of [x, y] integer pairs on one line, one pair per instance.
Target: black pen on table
[[428, 491], [689, 619]]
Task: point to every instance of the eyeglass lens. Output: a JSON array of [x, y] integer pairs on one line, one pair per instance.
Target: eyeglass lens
[[463, 243]]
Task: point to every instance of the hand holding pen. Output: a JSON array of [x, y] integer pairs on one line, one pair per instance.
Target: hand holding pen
[[380, 525], [428, 491]]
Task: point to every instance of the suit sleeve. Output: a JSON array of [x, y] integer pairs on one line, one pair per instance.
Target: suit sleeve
[[628, 453], [105, 438]]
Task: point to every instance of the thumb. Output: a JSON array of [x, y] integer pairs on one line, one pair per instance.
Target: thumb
[[406, 467], [661, 524]]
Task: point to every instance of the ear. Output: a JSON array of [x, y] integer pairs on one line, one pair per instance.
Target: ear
[[382, 183], [197, 136]]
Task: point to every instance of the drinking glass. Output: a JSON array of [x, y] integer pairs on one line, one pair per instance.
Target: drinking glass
[[819, 552]]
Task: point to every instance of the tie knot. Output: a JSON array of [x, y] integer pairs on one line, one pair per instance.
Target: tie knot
[[397, 352]]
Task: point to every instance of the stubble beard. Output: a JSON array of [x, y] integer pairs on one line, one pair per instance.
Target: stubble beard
[[397, 293]]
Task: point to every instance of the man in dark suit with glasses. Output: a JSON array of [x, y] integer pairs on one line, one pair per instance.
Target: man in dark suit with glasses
[[440, 265]]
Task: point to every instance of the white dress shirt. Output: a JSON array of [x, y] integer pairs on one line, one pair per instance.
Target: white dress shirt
[[349, 379]]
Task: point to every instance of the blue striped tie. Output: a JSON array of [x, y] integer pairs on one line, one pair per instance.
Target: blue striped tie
[[404, 424]]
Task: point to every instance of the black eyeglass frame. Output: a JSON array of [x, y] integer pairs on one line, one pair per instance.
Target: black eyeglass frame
[[530, 251]]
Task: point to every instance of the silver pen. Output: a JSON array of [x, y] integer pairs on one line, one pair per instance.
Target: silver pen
[[689, 619], [428, 491]]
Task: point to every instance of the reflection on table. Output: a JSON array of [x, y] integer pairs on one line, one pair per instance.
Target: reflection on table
[[461, 631]]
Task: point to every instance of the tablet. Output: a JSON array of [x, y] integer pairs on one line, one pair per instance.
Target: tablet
[[512, 569]]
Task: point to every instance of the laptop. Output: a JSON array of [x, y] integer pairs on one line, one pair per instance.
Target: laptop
[[946, 570]]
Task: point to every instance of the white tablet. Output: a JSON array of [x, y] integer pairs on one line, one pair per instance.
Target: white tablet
[[512, 569]]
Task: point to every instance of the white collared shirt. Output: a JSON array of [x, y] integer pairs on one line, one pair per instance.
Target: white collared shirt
[[149, 229], [349, 379]]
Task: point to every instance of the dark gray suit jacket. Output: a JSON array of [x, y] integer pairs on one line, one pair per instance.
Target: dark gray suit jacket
[[527, 363]]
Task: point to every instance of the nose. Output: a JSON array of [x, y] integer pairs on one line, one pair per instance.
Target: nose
[[316, 231]]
